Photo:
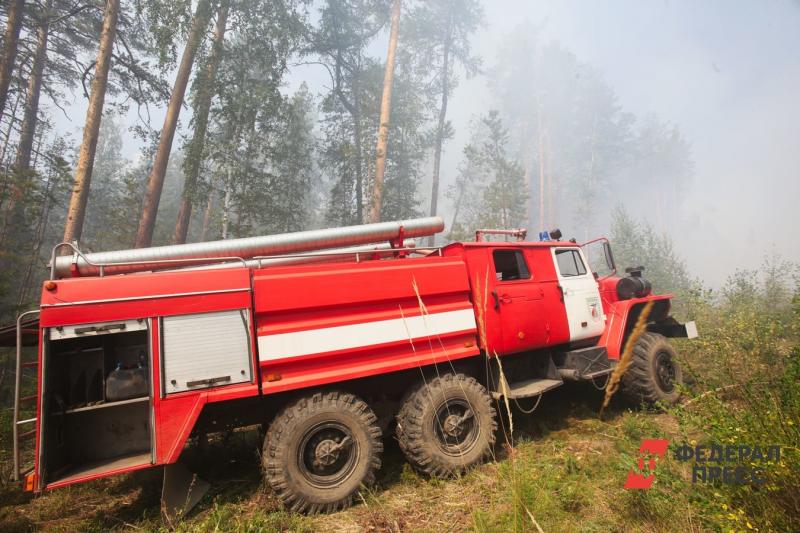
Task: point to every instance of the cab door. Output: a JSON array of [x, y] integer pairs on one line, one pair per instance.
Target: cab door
[[580, 292], [517, 297]]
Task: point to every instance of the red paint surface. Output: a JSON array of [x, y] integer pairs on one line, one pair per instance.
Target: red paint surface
[[290, 299], [532, 307], [616, 320]]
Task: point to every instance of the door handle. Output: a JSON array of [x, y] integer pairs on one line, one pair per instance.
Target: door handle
[[561, 292], [210, 382], [496, 300], [505, 298]]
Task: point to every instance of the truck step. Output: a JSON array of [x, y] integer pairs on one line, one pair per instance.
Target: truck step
[[584, 363], [528, 388]]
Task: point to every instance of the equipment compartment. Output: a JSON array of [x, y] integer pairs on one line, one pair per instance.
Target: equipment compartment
[[84, 429]]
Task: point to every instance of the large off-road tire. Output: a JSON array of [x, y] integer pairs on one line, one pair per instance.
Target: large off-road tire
[[654, 374], [447, 425], [320, 450]]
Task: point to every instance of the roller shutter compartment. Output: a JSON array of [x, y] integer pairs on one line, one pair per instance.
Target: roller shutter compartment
[[205, 350]]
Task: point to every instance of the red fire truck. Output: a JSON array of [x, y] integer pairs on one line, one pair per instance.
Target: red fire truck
[[137, 350]]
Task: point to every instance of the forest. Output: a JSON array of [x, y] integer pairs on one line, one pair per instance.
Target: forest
[[138, 123], [239, 152]]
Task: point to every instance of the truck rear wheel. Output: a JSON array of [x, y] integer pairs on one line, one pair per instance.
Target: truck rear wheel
[[447, 425], [654, 374], [320, 450]]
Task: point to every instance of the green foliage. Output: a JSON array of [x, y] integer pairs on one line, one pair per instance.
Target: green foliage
[[31, 208], [490, 190], [746, 373], [229, 518], [259, 145], [350, 111], [638, 244]]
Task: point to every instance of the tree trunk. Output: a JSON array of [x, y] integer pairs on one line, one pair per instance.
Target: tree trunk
[[207, 216], [353, 108], [197, 144], [457, 207], [526, 166], [7, 176], [541, 169], [9, 131], [11, 40], [437, 149], [83, 174], [23, 158], [551, 201], [226, 205], [386, 106], [357, 139], [155, 182]]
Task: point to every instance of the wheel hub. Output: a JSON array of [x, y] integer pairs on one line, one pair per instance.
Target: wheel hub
[[453, 426], [665, 371], [327, 452]]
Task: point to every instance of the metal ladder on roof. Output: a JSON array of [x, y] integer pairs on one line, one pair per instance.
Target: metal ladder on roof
[[23, 467]]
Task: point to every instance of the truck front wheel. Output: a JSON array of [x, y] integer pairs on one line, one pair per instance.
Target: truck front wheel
[[654, 374], [447, 425], [320, 450]]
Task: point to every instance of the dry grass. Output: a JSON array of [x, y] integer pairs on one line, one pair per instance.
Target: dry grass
[[566, 471]]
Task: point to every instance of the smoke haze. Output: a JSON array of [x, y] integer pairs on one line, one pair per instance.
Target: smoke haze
[[726, 73]]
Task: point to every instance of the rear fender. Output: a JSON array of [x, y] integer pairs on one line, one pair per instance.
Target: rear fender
[[621, 318]]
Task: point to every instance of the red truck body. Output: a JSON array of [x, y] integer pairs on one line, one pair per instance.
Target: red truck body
[[235, 337]]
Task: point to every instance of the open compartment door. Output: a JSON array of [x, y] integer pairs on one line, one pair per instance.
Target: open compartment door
[[97, 401]]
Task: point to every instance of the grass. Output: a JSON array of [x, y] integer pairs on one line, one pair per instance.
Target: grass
[[566, 469]]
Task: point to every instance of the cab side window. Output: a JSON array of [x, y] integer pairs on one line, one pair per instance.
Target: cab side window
[[570, 263], [510, 265]]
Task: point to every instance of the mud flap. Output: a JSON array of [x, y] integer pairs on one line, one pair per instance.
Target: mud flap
[[181, 491]]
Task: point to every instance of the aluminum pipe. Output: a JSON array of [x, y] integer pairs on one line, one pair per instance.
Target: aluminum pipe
[[137, 260], [366, 252]]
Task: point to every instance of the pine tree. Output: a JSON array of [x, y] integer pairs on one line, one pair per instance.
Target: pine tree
[[205, 89], [438, 32], [247, 154], [155, 182], [83, 174], [10, 41], [490, 191], [382, 146], [339, 43]]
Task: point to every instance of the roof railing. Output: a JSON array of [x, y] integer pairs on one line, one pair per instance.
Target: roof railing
[[519, 233]]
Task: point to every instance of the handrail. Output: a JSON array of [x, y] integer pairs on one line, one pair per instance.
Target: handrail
[[17, 386], [102, 266], [519, 233]]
